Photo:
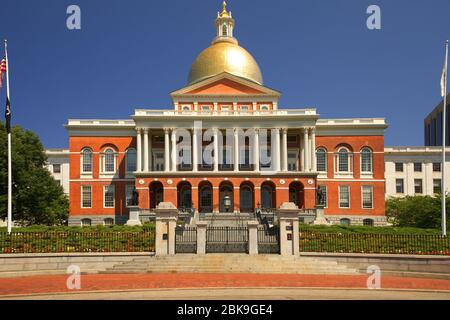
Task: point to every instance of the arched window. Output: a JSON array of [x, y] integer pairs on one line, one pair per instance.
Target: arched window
[[109, 160], [86, 160], [224, 30], [366, 160], [86, 222], [131, 159], [343, 160], [321, 157], [368, 222], [108, 221], [345, 222]]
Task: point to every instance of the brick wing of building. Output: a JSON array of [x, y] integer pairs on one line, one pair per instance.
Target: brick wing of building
[[227, 147]]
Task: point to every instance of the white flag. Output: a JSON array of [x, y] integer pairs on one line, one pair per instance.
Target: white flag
[[444, 80]]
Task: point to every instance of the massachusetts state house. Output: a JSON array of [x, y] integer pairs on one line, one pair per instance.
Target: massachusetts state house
[[227, 148]]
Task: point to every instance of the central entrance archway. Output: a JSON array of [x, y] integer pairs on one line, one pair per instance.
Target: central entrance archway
[[156, 194], [226, 197], [205, 197], [297, 194], [246, 197], [184, 195]]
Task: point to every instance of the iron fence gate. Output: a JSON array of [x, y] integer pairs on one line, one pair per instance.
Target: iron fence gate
[[227, 240], [186, 240], [268, 239]]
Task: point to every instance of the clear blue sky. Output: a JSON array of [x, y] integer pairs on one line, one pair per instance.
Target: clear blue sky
[[133, 53]]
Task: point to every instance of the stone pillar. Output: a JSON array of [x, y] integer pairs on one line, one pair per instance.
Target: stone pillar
[[201, 237], [284, 151], [313, 149], [166, 150], [145, 150], [174, 150], [252, 237], [166, 221], [277, 151], [216, 149], [139, 150], [289, 234], [150, 153], [306, 149], [256, 151], [134, 216], [236, 149]]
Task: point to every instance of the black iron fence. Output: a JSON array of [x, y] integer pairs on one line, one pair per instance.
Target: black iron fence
[[54, 242], [374, 243], [185, 239], [268, 239], [227, 240]]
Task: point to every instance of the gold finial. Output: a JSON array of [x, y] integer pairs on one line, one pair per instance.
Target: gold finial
[[224, 9]]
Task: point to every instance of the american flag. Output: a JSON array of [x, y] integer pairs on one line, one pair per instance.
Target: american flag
[[2, 70]]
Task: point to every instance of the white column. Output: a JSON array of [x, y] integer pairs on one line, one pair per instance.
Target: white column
[[150, 153], [174, 150], [306, 149], [236, 149], [302, 154], [284, 151], [216, 149], [194, 150], [166, 150], [139, 150], [313, 149], [256, 150], [277, 150], [145, 150]]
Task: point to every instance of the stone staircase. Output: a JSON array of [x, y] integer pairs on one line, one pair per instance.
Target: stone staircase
[[230, 263]]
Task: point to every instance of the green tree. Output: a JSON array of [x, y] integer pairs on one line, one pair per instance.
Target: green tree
[[417, 211], [37, 197]]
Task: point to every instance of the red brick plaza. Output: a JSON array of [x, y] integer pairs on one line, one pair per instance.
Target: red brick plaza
[[99, 283]]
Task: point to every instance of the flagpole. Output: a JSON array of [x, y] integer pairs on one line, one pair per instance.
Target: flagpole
[[9, 148], [443, 193]]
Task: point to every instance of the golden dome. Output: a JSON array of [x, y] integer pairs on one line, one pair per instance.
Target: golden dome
[[225, 56]]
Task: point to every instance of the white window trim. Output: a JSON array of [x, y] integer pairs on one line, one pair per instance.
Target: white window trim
[[114, 196], [183, 106], [421, 185], [323, 173], [86, 174], [349, 197], [243, 107], [103, 173], [264, 107], [343, 174], [366, 174], [81, 198], [297, 162], [81, 222], [362, 199], [104, 221], [129, 174], [403, 186]]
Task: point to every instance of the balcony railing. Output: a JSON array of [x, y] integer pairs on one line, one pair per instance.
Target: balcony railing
[[285, 112]]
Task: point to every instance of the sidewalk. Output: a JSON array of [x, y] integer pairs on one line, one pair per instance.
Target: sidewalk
[[124, 282]]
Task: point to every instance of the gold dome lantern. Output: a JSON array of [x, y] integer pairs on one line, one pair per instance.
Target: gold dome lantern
[[225, 55]]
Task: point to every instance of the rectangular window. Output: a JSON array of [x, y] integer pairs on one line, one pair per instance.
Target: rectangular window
[[436, 186], [109, 196], [344, 197], [86, 197], [324, 201], [367, 197], [129, 194], [205, 109], [292, 161], [225, 109], [56, 168], [244, 109], [418, 186], [417, 167], [399, 167], [399, 186], [321, 160], [436, 167]]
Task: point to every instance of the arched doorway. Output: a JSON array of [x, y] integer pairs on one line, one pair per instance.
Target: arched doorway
[[156, 194], [297, 194], [226, 197], [246, 197], [268, 195], [184, 191], [205, 197]]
